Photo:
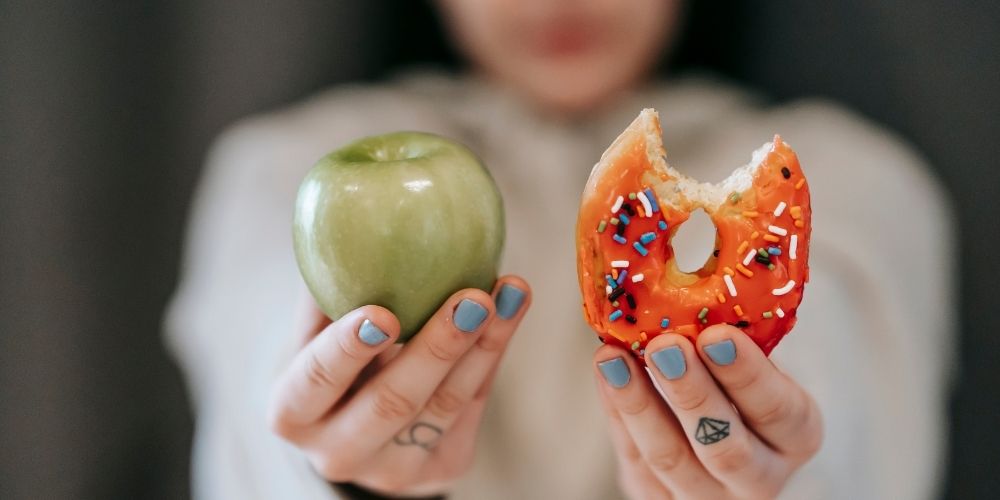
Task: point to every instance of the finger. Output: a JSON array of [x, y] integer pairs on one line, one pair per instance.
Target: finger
[[655, 432], [723, 444], [324, 369], [391, 399], [771, 403], [634, 476]]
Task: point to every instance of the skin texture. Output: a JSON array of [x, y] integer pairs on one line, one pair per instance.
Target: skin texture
[[401, 221]]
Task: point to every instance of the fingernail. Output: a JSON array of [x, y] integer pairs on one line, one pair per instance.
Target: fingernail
[[371, 334], [670, 362], [509, 301], [722, 353], [615, 371], [469, 315]]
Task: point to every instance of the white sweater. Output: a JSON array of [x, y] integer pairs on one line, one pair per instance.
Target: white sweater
[[873, 343]]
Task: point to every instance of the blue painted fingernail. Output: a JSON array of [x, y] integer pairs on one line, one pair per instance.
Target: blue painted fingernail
[[670, 362], [469, 315], [722, 353], [615, 371], [509, 301], [371, 334]]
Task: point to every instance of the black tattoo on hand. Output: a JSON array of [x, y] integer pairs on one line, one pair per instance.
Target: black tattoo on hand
[[419, 434], [711, 430]]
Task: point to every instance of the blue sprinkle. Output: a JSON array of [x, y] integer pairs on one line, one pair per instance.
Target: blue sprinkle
[[652, 199], [623, 218], [611, 281], [774, 250], [615, 315], [639, 248], [647, 237], [663, 226], [619, 239], [665, 322], [621, 276]]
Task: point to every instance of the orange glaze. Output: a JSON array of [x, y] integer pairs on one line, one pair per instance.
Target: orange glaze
[[666, 292]]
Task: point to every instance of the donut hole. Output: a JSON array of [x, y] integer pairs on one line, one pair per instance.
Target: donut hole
[[694, 242]]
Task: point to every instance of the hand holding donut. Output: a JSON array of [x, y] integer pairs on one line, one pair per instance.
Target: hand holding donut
[[399, 420], [731, 425]]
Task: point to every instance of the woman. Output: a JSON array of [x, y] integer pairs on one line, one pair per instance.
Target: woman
[[553, 83]]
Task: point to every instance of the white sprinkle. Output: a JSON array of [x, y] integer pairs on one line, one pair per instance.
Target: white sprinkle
[[749, 258], [607, 289], [785, 289], [729, 284], [645, 204], [779, 312], [618, 204], [780, 209], [619, 263], [792, 246], [780, 231], [637, 278]]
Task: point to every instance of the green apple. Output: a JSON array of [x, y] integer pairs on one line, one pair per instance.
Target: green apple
[[401, 220]]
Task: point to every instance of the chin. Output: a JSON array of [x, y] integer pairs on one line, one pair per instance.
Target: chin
[[571, 90]]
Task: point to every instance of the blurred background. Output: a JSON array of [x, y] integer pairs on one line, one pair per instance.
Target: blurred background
[[107, 108]]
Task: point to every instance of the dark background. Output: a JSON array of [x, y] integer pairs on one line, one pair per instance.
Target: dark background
[[106, 109]]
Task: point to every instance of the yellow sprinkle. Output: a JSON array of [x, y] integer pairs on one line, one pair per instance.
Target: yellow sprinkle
[[743, 246], [755, 235], [642, 336], [800, 183], [795, 211], [750, 213], [744, 271], [800, 224], [728, 270], [772, 238], [721, 298], [738, 310]]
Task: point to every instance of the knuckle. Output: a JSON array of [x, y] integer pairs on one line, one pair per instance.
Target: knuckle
[[690, 398], [279, 423], [393, 482], [391, 404], [448, 352], [665, 460], [778, 411], [445, 402], [492, 343], [333, 467], [634, 406], [748, 380], [733, 458], [318, 372]]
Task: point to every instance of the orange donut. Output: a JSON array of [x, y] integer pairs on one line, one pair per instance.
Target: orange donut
[[633, 205]]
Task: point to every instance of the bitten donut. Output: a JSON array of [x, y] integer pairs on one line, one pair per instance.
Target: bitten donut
[[633, 205]]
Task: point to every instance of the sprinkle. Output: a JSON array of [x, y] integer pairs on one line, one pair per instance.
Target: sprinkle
[[635, 346], [620, 229], [770, 267], [793, 246], [631, 196], [774, 250], [742, 323], [780, 231], [754, 235], [795, 211], [767, 315], [665, 322], [762, 252], [622, 275], [702, 313], [662, 225], [615, 315], [772, 238], [624, 218], [618, 292], [602, 226], [645, 203], [729, 284], [779, 312], [749, 257], [639, 248], [785, 289], [611, 281], [779, 209], [800, 224], [608, 290], [630, 318], [743, 246], [614, 273], [614, 221], [616, 303], [728, 270], [785, 172], [734, 197], [763, 260], [637, 278], [619, 239], [619, 263], [642, 212], [750, 213], [744, 271], [800, 183], [615, 335], [642, 336], [618, 204], [629, 210], [647, 237], [652, 199], [721, 298], [715, 253], [738, 310], [631, 300]]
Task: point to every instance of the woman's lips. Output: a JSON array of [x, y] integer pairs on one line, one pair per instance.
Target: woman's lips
[[558, 40]]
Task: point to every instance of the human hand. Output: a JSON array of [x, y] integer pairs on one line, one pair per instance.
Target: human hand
[[399, 420], [733, 425]]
